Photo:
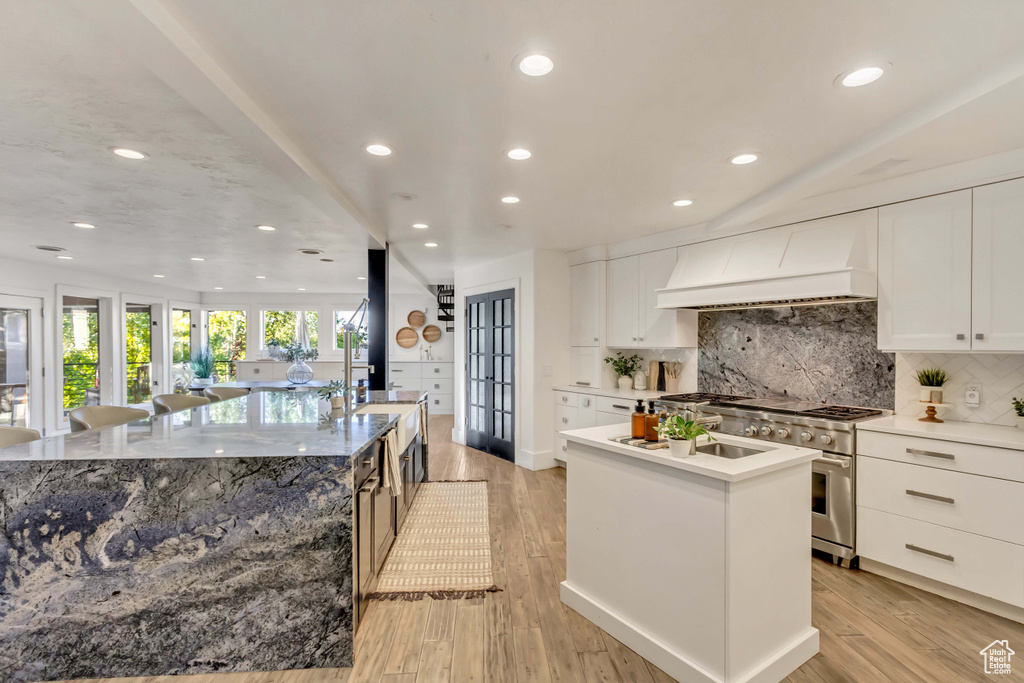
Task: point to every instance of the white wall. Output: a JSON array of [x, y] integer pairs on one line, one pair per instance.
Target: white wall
[[48, 283], [399, 308], [541, 282]]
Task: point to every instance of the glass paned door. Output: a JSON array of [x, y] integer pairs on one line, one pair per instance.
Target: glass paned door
[[490, 373], [21, 362], [181, 345], [138, 352], [81, 350], [225, 331]]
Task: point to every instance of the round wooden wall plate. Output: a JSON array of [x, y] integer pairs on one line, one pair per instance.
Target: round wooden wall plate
[[407, 337], [431, 333], [416, 319]]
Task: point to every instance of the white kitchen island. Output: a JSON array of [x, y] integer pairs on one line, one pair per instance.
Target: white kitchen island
[[703, 564]]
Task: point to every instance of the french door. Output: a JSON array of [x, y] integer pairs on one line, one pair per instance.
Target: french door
[[21, 362], [490, 373]]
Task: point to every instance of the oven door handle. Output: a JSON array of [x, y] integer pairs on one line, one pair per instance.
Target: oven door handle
[[834, 462]]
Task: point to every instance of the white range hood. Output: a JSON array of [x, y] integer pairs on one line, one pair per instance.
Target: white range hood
[[823, 261]]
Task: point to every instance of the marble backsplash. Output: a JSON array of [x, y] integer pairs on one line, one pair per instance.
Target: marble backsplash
[[822, 353]]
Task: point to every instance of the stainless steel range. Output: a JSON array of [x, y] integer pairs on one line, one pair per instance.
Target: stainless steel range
[[832, 429]]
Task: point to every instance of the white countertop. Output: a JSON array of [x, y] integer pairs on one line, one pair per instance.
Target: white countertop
[[977, 433], [773, 458], [630, 395]]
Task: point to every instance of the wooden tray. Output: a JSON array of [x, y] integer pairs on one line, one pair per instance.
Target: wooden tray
[[407, 337], [431, 333], [417, 319]]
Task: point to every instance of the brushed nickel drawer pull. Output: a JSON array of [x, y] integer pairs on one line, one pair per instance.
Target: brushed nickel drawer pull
[[370, 485], [925, 551], [930, 496], [931, 454], [582, 384], [616, 405], [407, 458]]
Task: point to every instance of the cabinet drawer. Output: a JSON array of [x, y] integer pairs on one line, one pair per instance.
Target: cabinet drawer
[[438, 370], [975, 563], [602, 419], [968, 502], [565, 418], [405, 369], [440, 404], [565, 398], [948, 455], [400, 383], [436, 385], [620, 406]]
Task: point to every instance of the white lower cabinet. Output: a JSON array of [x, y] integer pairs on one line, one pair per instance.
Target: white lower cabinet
[[947, 511], [578, 411], [433, 377]]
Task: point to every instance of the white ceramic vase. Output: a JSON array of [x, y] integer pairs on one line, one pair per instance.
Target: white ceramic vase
[[931, 395], [337, 402], [680, 448], [203, 381], [1020, 422], [625, 383]]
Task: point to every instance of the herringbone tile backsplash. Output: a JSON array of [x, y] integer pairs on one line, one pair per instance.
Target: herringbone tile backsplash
[[1001, 377]]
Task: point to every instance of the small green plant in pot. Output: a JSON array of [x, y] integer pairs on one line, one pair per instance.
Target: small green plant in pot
[[682, 435], [931, 381], [335, 393], [202, 366], [1018, 406], [625, 367]]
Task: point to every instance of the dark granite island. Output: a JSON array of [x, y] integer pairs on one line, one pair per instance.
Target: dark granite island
[[212, 540]]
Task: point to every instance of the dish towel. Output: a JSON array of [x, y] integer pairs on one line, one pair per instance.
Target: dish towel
[[423, 422], [392, 464]]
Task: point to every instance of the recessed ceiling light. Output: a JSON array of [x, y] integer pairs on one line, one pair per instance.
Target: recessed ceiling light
[[129, 153], [863, 76], [327, 260], [682, 202], [420, 226], [360, 278], [218, 288], [84, 226], [741, 159], [430, 244], [510, 200], [197, 258], [66, 258], [404, 196], [536, 64], [158, 276], [266, 228], [378, 150], [302, 289], [46, 247], [261, 277], [519, 154], [311, 252]]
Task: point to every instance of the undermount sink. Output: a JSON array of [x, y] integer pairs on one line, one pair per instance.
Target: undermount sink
[[724, 450], [408, 427]]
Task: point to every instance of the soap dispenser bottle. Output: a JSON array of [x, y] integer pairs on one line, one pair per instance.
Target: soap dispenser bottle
[[639, 420], [651, 422]]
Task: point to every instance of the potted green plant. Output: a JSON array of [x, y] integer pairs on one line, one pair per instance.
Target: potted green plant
[[273, 349], [202, 366], [1018, 405], [931, 381], [625, 367], [682, 435], [299, 372], [335, 393]]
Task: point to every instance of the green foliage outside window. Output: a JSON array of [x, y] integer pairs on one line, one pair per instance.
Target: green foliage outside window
[[181, 330], [226, 334], [279, 326], [138, 354], [359, 337], [80, 360]]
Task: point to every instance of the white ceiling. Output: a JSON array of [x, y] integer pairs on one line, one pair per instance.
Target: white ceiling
[[262, 109]]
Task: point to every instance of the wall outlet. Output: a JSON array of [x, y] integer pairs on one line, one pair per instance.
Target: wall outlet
[[972, 397], [549, 370]]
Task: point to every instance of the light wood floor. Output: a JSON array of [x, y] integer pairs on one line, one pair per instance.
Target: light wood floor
[[872, 629]]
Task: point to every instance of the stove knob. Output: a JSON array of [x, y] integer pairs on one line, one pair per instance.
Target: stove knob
[[806, 436], [783, 433], [767, 430], [750, 431], [826, 439]]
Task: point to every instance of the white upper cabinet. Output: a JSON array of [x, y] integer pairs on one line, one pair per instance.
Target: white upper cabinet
[[634, 319], [924, 274], [587, 283], [998, 293]]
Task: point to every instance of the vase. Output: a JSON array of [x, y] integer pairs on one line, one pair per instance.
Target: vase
[[337, 402], [640, 380], [299, 373], [681, 448], [1020, 422], [204, 381], [930, 395], [625, 383]]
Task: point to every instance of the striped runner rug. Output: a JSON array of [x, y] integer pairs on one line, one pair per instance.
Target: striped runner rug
[[444, 549]]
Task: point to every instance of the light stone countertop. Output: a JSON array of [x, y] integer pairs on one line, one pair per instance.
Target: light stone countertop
[[998, 436], [631, 395], [773, 457]]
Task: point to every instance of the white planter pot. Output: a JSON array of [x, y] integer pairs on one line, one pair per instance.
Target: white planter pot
[[338, 402], [625, 383], [679, 448], [203, 381], [931, 395], [1020, 422]]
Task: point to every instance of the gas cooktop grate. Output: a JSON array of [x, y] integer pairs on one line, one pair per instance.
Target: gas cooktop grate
[[701, 397], [840, 413]]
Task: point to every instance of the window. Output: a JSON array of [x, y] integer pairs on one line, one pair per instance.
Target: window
[[14, 367], [81, 344], [138, 352], [225, 332], [181, 335], [283, 327], [359, 337]]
